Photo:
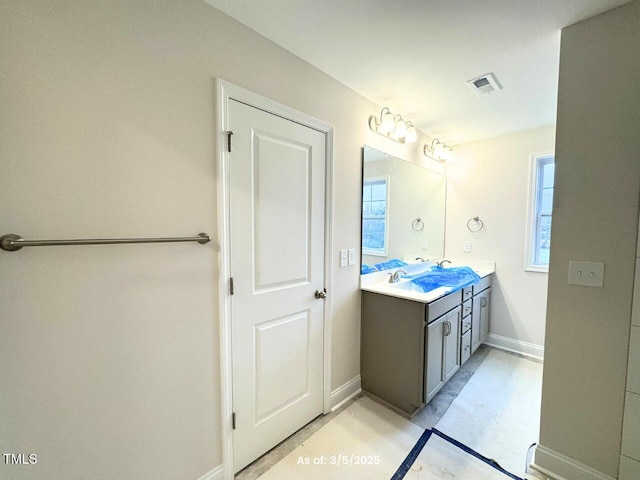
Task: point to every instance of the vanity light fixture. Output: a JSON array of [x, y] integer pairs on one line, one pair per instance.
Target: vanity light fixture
[[393, 127], [439, 151]]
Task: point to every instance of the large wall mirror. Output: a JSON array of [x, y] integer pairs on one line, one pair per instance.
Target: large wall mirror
[[403, 212]]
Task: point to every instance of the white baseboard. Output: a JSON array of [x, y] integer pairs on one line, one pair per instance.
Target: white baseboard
[[561, 467], [629, 468], [215, 474], [517, 346], [344, 393]]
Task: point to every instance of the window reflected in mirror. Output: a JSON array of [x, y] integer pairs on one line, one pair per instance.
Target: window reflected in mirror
[[374, 216]]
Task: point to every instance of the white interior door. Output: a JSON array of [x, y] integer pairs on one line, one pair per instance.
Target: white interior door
[[276, 202]]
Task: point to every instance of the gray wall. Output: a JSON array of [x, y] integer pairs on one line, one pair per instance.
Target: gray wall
[[595, 218]]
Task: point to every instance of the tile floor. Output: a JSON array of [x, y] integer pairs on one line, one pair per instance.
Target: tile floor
[[428, 417]]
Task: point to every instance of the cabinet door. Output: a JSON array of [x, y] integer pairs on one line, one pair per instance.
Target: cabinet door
[[451, 340], [480, 318], [485, 305], [476, 313], [392, 350], [434, 357]]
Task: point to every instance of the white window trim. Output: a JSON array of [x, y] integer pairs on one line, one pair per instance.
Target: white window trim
[[381, 252], [534, 177]]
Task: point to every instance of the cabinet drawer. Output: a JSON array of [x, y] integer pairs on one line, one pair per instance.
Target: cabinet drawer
[[467, 307], [467, 293], [465, 347], [466, 324], [483, 284], [440, 307]]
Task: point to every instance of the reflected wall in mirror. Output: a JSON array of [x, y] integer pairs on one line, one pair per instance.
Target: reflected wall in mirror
[[403, 212]]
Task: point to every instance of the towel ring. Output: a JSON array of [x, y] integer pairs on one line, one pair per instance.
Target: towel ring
[[475, 225], [417, 224]]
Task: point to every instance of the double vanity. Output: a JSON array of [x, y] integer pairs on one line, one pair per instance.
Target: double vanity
[[421, 319], [413, 341]]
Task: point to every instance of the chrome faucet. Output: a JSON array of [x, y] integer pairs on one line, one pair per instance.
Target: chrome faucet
[[395, 276], [421, 259], [442, 262]]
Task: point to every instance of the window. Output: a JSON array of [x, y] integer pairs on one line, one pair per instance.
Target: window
[[540, 207], [375, 195]]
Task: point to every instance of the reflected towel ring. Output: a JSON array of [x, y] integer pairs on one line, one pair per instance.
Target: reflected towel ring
[[417, 224], [475, 225]]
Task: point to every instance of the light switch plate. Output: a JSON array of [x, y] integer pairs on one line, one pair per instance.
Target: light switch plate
[[424, 244], [352, 256], [343, 258], [588, 274]]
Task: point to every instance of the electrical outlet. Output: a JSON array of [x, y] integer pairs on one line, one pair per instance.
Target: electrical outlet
[[466, 246], [588, 274], [352, 256], [424, 244], [343, 258]]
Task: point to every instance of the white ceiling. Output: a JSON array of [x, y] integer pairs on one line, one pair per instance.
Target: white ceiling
[[415, 56]]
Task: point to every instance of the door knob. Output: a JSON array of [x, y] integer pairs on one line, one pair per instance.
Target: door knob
[[321, 293]]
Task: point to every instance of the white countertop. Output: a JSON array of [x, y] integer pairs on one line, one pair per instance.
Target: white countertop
[[378, 282]]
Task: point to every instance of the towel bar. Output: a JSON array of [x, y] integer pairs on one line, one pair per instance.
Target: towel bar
[[12, 242]]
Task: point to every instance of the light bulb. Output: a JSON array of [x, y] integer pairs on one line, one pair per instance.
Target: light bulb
[[438, 151], [401, 129], [412, 135], [450, 155], [386, 124]]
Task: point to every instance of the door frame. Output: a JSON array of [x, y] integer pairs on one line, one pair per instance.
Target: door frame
[[226, 91]]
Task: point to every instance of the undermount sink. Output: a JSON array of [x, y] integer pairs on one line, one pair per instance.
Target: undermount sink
[[452, 277], [407, 285]]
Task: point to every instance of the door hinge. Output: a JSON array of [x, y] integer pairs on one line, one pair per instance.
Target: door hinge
[[231, 286], [233, 420], [229, 133]]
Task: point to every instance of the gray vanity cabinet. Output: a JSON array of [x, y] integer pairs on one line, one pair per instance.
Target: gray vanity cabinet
[[409, 349], [392, 350]]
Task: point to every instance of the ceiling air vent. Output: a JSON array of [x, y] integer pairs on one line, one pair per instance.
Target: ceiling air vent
[[484, 84]]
